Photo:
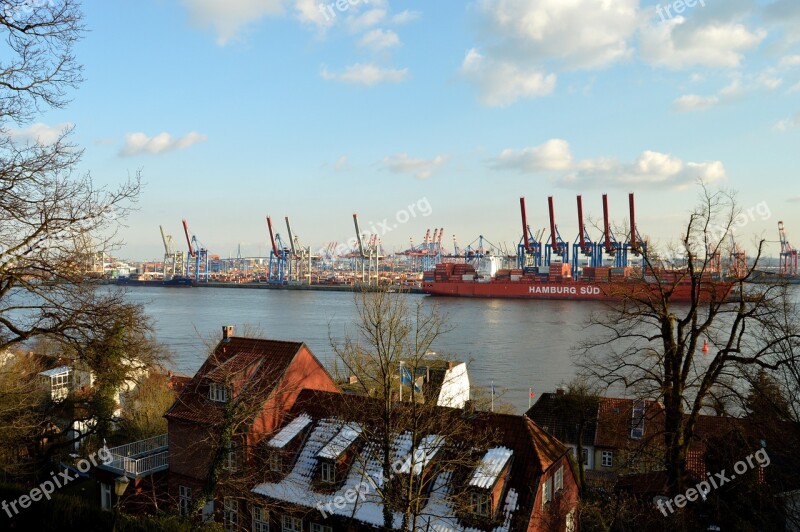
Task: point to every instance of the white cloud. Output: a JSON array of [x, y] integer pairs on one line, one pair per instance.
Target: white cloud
[[342, 164], [39, 133], [651, 168], [677, 44], [789, 123], [501, 83], [140, 143], [230, 17], [404, 17], [379, 39], [366, 20], [310, 12], [366, 74], [694, 102], [552, 155], [401, 163], [579, 33], [795, 87], [789, 61]]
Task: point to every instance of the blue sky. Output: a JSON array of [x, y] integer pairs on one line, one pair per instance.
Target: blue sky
[[237, 109]]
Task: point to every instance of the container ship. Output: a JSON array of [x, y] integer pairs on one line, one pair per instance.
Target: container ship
[[556, 282], [147, 280]]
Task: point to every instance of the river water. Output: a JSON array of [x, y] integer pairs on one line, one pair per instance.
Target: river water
[[515, 344]]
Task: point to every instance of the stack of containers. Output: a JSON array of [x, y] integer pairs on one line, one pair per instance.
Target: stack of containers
[[443, 271], [462, 272], [516, 275], [559, 272]]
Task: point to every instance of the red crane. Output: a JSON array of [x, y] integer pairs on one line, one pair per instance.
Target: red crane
[[192, 252]]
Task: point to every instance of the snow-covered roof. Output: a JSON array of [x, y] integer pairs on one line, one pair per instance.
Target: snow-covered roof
[[60, 370], [346, 436], [289, 432], [423, 454], [491, 466]]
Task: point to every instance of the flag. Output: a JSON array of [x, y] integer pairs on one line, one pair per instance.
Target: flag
[[407, 380], [531, 395]]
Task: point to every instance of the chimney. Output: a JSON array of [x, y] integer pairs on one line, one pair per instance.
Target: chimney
[[227, 332], [560, 391]]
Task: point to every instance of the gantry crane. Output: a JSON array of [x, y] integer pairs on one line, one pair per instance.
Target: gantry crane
[[529, 250], [199, 253], [369, 256], [609, 244], [301, 257], [556, 245], [279, 264], [174, 260], [788, 262], [583, 245]]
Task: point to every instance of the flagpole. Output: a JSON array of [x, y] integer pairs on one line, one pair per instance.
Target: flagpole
[[401, 381], [492, 396]]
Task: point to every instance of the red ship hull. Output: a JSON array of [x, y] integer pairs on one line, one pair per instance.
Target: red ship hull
[[573, 290]]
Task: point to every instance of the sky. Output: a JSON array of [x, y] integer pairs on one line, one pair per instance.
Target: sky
[[421, 114]]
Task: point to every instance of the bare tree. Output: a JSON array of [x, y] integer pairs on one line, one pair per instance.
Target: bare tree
[[392, 344], [652, 345]]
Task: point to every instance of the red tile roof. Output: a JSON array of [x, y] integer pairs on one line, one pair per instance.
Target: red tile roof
[[246, 363]]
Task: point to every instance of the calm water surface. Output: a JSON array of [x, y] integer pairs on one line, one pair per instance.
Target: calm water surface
[[516, 344]]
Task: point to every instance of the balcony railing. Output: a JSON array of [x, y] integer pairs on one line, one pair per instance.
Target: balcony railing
[[139, 459]]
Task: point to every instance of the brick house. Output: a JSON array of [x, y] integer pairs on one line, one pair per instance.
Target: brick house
[[241, 393], [326, 475]]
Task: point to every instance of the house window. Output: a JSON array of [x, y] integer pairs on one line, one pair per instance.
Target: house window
[[260, 519], [208, 511], [230, 517], [105, 496], [585, 456], [481, 505], [547, 491], [231, 460], [292, 524], [184, 499], [218, 392], [607, 458], [637, 420], [275, 462], [59, 386], [559, 479], [328, 472], [320, 528]]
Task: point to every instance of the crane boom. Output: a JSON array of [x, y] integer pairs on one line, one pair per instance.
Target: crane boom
[[554, 239], [633, 221], [581, 227], [166, 240], [525, 229], [291, 237], [606, 227], [272, 236], [358, 236], [192, 252]]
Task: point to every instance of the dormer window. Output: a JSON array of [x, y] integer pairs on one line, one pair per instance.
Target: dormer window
[[481, 504], [219, 393], [275, 461], [559, 479], [328, 472]]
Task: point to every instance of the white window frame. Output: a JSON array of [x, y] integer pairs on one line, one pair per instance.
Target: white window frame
[[558, 482], [231, 460], [260, 519], [570, 521], [481, 504], [184, 500], [291, 524], [230, 514], [219, 393], [607, 458], [328, 472], [316, 527], [106, 502], [547, 491], [637, 420], [275, 462], [585, 456]]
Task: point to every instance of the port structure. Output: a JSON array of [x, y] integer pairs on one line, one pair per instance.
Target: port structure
[[636, 245], [197, 268], [428, 254], [788, 260], [300, 258], [174, 260], [609, 245], [280, 266], [529, 250], [584, 246], [737, 267], [555, 247], [368, 257]]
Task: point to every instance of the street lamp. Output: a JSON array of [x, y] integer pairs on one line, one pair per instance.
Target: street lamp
[[120, 485]]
